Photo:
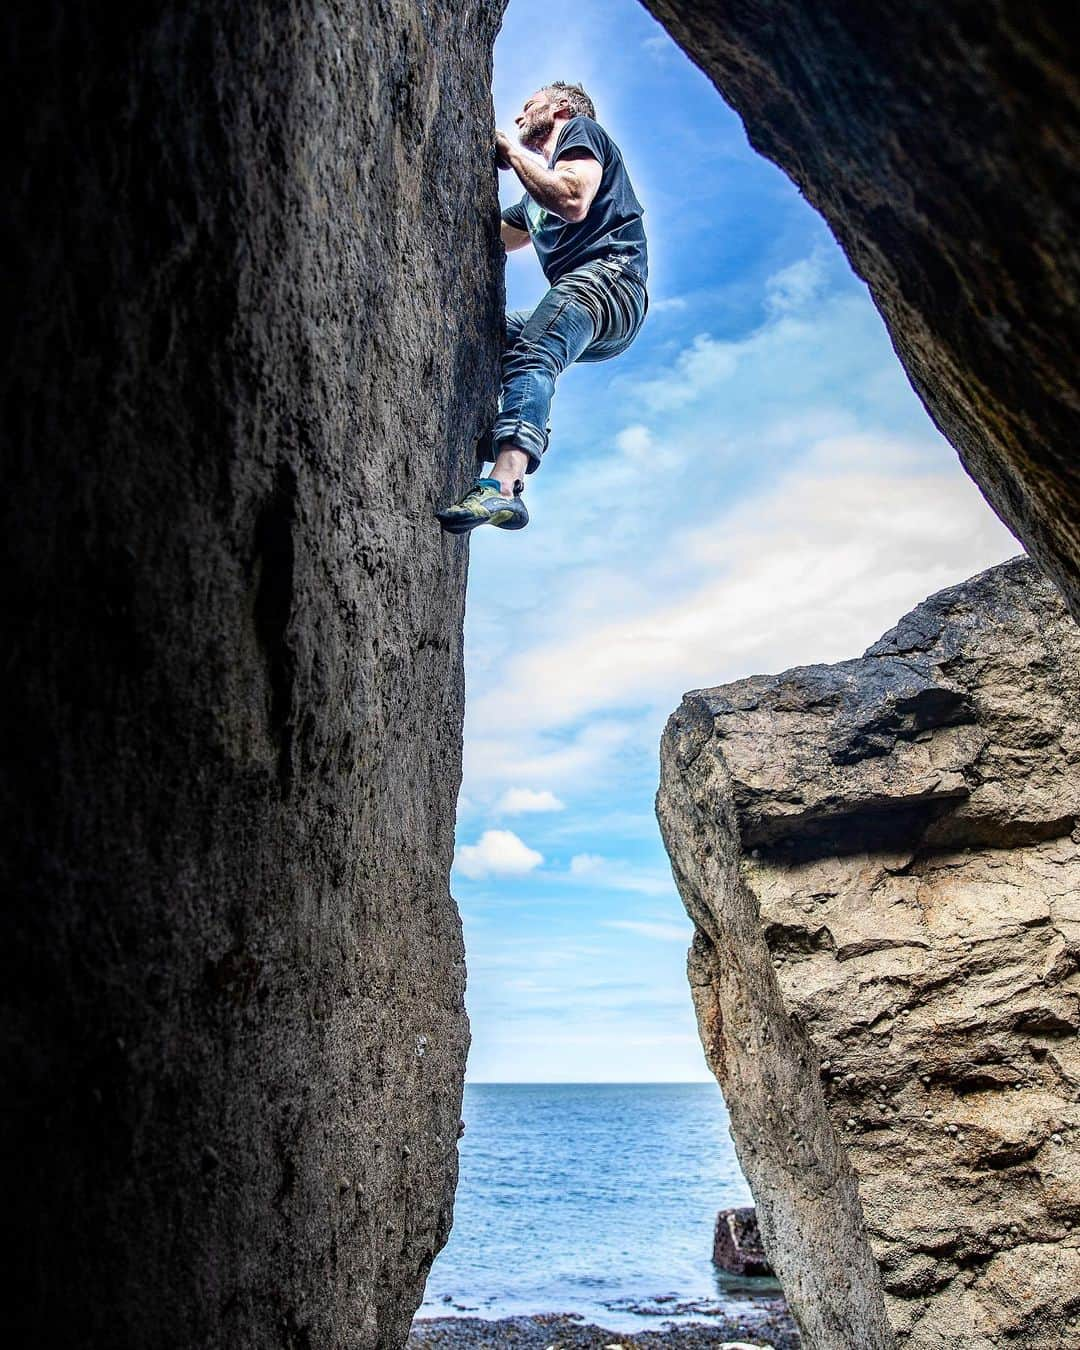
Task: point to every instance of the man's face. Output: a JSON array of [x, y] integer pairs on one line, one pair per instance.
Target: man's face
[[535, 121]]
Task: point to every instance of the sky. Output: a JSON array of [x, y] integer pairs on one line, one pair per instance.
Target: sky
[[752, 486]]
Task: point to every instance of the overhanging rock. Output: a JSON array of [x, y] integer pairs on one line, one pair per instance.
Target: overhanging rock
[[883, 864], [941, 141]]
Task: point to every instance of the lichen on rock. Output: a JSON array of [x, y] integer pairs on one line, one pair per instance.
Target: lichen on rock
[[882, 860]]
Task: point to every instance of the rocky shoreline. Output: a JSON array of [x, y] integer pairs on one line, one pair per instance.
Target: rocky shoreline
[[772, 1326]]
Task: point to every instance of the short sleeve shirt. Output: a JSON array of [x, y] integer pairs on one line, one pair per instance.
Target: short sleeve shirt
[[612, 228]]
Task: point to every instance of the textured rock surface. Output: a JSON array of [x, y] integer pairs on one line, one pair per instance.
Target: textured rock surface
[[883, 863], [737, 1243], [942, 144], [254, 252]]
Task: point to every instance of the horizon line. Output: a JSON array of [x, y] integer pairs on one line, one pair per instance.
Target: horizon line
[[589, 1082]]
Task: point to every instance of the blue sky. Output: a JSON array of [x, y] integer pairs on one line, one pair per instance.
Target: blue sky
[[754, 485]]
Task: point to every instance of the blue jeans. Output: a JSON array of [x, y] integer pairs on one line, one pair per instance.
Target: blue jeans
[[590, 314]]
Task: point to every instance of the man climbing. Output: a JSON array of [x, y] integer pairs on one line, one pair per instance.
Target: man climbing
[[584, 221]]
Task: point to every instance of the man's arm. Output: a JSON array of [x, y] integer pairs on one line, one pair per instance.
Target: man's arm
[[567, 191], [513, 238]]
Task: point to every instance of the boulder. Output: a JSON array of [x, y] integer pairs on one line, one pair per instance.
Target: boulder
[[253, 251], [882, 861], [941, 142], [737, 1243]]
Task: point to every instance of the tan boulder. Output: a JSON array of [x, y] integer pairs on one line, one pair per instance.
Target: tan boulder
[[883, 864]]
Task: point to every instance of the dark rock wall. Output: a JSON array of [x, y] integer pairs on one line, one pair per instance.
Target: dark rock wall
[[942, 145], [253, 251], [882, 859]]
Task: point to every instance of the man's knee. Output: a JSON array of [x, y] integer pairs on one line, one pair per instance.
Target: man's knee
[[536, 360], [516, 319]]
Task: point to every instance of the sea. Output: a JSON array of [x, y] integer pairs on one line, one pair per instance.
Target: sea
[[596, 1199]]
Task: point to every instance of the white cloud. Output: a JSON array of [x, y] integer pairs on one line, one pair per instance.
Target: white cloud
[[613, 874], [566, 761], [635, 441], [813, 567], [660, 932], [809, 338], [609, 825], [795, 286], [700, 369], [518, 800], [644, 453], [497, 853], [667, 305]]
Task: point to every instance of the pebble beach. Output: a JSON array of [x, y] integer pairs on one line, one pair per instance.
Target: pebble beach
[[770, 1326]]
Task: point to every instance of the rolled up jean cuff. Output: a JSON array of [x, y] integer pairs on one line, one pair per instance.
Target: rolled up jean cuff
[[524, 435]]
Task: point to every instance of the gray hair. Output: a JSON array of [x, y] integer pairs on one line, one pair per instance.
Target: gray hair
[[571, 96]]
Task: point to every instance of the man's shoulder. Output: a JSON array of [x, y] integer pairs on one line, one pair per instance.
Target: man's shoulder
[[582, 130], [580, 120]]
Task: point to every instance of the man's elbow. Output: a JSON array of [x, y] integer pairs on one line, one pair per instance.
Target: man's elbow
[[575, 211]]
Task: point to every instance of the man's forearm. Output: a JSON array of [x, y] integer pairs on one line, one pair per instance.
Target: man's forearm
[[558, 192]]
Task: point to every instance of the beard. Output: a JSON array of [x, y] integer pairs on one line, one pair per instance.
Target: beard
[[537, 128]]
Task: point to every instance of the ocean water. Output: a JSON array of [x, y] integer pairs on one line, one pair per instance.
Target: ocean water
[[597, 1199]]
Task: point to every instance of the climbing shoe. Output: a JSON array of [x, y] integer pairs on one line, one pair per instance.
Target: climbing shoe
[[484, 504]]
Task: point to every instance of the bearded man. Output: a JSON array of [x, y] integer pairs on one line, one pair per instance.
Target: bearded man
[[581, 214]]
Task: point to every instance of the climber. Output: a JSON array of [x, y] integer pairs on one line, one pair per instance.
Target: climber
[[584, 221]]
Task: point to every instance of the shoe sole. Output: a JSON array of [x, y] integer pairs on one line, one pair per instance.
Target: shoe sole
[[453, 525]]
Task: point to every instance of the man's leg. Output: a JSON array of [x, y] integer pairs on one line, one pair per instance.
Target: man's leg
[[552, 337], [622, 303], [511, 462], [540, 345], [511, 466]]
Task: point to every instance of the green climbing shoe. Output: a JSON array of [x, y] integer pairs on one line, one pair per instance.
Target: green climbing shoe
[[484, 504]]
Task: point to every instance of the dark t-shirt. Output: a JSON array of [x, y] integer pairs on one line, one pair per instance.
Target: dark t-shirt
[[612, 228]]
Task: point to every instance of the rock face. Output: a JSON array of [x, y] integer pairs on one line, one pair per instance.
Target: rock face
[[254, 253], [883, 863], [942, 144], [737, 1243]]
